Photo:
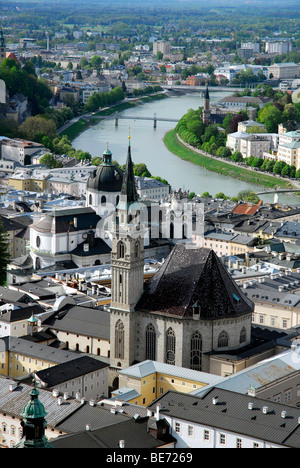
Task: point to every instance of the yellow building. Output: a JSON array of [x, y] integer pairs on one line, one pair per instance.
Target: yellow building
[[23, 181], [19, 357], [144, 382]]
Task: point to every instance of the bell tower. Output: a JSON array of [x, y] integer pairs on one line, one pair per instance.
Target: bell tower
[[127, 269], [206, 107]]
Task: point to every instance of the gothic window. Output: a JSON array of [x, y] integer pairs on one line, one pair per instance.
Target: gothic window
[[117, 200], [121, 249], [196, 352], [170, 346], [150, 342], [137, 250], [119, 339], [243, 335], [103, 200], [90, 200], [223, 339]]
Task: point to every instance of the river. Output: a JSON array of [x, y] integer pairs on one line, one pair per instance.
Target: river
[[147, 147]]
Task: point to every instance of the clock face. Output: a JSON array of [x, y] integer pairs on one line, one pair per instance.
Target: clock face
[[170, 356]]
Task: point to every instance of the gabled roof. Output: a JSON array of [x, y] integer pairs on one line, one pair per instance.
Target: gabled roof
[[192, 276]]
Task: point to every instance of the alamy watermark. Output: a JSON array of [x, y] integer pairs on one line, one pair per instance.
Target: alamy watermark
[[182, 221]]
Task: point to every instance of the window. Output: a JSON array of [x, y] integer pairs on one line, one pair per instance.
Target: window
[[243, 335], [38, 241], [191, 431], [255, 445], [119, 340], [206, 434], [223, 339], [170, 347], [196, 352], [239, 443], [150, 342], [177, 427], [222, 439], [121, 249]]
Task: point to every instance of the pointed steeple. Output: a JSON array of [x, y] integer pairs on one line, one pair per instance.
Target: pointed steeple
[[128, 189], [2, 40], [206, 96]]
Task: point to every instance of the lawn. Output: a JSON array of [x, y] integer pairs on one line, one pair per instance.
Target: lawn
[[256, 178]]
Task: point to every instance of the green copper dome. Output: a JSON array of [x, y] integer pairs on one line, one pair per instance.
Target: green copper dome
[[34, 409]]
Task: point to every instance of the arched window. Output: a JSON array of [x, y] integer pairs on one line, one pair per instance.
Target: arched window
[[196, 352], [119, 340], [90, 200], [103, 200], [223, 339], [117, 200], [150, 342], [121, 249], [137, 250], [38, 241], [171, 231], [37, 263], [243, 335], [170, 346]]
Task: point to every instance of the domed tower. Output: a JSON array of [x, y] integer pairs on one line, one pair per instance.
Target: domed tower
[[104, 186], [34, 423]]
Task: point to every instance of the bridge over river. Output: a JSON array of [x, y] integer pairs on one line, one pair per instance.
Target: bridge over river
[[278, 192]]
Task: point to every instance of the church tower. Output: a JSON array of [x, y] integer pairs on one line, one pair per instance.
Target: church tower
[[206, 108], [2, 47], [127, 268]]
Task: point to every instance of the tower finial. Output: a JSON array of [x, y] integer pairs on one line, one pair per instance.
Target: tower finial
[[129, 137]]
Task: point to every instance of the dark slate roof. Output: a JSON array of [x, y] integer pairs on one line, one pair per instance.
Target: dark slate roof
[[98, 247], [134, 433], [60, 221], [232, 414], [70, 370], [189, 276], [21, 314], [82, 321]]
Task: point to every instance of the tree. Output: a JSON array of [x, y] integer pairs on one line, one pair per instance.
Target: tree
[[37, 125], [4, 253], [50, 161], [248, 196]]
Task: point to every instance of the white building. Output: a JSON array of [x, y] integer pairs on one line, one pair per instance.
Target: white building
[[226, 419], [17, 149], [289, 148]]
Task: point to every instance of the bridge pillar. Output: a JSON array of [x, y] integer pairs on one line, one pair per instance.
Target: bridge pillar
[[116, 121], [276, 198], [154, 123]]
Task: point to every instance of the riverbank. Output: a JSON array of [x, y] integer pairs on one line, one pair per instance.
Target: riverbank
[[73, 129], [217, 165]]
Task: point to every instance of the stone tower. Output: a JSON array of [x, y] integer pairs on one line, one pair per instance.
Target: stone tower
[[127, 268], [206, 107], [2, 47]]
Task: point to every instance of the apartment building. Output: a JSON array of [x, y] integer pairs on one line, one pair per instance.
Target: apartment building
[[281, 47], [161, 46], [283, 71], [289, 148]]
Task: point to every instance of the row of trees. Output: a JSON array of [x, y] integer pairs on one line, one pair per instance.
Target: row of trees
[[100, 100]]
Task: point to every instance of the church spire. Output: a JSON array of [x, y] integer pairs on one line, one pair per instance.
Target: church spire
[[128, 189]]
